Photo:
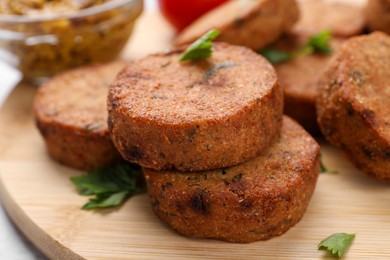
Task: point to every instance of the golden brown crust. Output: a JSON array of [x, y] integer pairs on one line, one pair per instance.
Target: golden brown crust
[[378, 15], [343, 20], [71, 113], [255, 200], [298, 78], [253, 24], [353, 103], [195, 115]]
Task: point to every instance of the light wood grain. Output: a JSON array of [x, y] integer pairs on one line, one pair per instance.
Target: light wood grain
[[37, 194]]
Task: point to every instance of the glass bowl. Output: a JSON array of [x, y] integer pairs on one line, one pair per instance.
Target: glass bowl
[[43, 46]]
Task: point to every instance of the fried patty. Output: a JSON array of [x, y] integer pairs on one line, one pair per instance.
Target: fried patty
[[255, 200], [298, 78], [71, 113], [353, 103], [378, 15], [254, 23], [342, 19], [195, 115]]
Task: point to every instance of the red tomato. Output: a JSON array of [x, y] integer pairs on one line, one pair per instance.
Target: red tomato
[[181, 13]]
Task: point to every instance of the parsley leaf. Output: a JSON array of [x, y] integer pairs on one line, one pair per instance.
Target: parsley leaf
[[318, 43], [107, 200], [275, 56], [201, 48], [337, 244], [324, 169], [110, 186]]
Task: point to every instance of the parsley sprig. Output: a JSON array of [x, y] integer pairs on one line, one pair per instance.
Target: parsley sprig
[[325, 169], [109, 186], [201, 48], [337, 244], [318, 43]]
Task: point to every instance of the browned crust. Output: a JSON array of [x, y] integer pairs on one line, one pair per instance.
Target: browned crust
[[378, 15], [352, 106], [303, 110], [255, 200], [342, 19], [218, 121], [78, 148], [298, 78], [254, 24], [70, 113]]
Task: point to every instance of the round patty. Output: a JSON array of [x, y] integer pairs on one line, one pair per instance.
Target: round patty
[[343, 20], [378, 15], [255, 200], [254, 23], [353, 103], [298, 78], [71, 113], [195, 115]]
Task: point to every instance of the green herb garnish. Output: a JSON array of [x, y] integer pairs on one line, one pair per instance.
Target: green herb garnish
[[318, 43], [337, 244], [324, 169], [275, 56], [201, 48], [110, 186]]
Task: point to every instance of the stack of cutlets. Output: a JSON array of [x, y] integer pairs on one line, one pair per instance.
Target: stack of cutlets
[[219, 159]]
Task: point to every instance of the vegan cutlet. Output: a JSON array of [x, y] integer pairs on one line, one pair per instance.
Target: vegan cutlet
[[255, 200], [70, 111], [353, 103], [195, 115], [254, 24]]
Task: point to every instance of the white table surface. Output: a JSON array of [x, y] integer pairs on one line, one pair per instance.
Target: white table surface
[[13, 244]]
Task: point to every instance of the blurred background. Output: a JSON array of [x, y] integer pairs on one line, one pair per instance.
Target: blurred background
[[13, 244]]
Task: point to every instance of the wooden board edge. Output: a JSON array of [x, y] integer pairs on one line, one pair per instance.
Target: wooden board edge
[[39, 238]]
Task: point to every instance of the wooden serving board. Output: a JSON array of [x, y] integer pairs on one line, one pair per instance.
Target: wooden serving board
[[40, 199]]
